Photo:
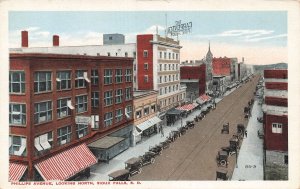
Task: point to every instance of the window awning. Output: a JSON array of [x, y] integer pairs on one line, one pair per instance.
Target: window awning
[[66, 164], [16, 171], [150, 122], [203, 98], [186, 107], [174, 112]]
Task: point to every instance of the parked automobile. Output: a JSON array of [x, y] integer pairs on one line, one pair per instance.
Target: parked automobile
[[147, 158], [225, 128], [119, 175], [221, 174], [134, 165], [222, 158], [156, 149]]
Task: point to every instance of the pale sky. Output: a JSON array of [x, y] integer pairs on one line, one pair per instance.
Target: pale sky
[[259, 36]]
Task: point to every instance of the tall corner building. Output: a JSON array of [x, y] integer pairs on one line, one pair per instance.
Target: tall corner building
[[158, 63]]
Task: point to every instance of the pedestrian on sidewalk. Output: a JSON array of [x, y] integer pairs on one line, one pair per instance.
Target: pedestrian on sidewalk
[[159, 129], [162, 132], [246, 133]]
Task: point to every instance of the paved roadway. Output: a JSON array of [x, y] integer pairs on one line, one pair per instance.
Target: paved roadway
[[192, 156]]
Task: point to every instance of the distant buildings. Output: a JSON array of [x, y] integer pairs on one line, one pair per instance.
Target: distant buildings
[[275, 122]]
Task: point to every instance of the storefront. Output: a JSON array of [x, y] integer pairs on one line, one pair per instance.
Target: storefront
[[173, 115], [149, 127]]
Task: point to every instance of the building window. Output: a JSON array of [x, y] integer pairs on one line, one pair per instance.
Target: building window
[[128, 75], [169, 66], [286, 159], [146, 79], [17, 145], [173, 87], [128, 93], [166, 90], [17, 82], [160, 91], [81, 103], [176, 77], [173, 66], [79, 79], [64, 135], [276, 128], [119, 95], [95, 99], [42, 82], [108, 76], [62, 108], [173, 57], [42, 112], [44, 141], [63, 80], [153, 108], [119, 115], [126, 54], [170, 78], [165, 78], [134, 54], [173, 76], [17, 114], [146, 111], [165, 67], [145, 53], [160, 54], [108, 98], [176, 66], [165, 55], [128, 111], [138, 114], [169, 100], [176, 56], [82, 130], [169, 55], [118, 76], [160, 79], [146, 66], [108, 119], [160, 67], [95, 77], [108, 54]]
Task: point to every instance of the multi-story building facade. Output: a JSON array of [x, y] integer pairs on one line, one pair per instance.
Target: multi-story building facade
[[222, 67], [159, 69], [58, 102], [193, 76], [275, 123], [146, 121]]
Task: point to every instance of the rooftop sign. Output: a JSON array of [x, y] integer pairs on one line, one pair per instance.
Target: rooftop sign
[[180, 28]]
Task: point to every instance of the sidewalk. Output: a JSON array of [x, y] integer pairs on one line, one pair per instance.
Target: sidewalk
[[250, 157], [100, 171]]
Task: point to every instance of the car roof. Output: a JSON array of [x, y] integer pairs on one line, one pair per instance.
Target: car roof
[[118, 173], [133, 160]]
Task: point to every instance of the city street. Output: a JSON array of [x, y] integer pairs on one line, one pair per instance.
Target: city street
[[197, 148]]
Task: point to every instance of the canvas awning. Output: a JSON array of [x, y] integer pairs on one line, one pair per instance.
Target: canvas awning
[[150, 122], [174, 112], [106, 142], [186, 107], [66, 164], [16, 171], [203, 98]]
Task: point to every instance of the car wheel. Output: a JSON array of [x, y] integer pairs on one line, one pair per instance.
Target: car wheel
[[152, 160], [223, 162]]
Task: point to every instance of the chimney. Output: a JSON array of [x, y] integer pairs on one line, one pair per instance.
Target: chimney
[[55, 40], [24, 36]]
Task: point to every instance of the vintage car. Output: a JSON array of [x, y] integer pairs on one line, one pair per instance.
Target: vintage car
[[119, 175], [134, 165], [165, 144], [222, 158], [221, 174], [147, 158], [190, 124], [156, 149], [225, 128], [240, 129]]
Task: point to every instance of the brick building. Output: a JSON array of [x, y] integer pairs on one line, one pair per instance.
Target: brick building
[[221, 66], [194, 77], [59, 104], [275, 122]]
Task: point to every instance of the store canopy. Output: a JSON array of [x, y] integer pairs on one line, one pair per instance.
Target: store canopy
[[106, 142], [203, 98], [186, 107], [66, 164], [16, 171], [150, 122]]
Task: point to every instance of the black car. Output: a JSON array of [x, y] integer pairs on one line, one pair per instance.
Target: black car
[[156, 149], [120, 175], [147, 158], [134, 165]]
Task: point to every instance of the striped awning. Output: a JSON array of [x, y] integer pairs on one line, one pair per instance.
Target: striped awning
[[203, 98], [186, 107], [150, 122], [66, 164], [16, 171]]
